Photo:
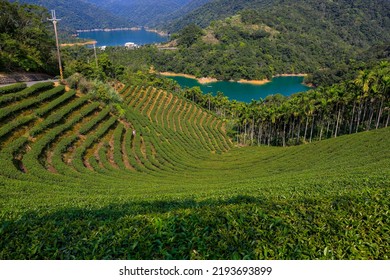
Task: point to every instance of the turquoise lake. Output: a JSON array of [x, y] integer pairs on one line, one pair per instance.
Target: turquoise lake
[[121, 37], [248, 92], [238, 91]]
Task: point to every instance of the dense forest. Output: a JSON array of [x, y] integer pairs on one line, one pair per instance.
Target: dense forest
[[148, 12], [292, 37], [26, 38], [78, 14], [342, 10], [162, 21], [214, 10]]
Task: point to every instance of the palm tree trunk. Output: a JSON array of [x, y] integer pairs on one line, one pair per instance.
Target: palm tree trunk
[[312, 128], [259, 136], [364, 113], [307, 123], [245, 134], [238, 134], [269, 135], [327, 128], [371, 116], [284, 134], [333, 126], [289, 130], [253, 130], [380, 114], [337, 123], [358, 118], [292, 127], [353, 113], [321, 123]]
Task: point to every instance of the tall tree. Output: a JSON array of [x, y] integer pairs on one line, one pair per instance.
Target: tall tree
[[26, 39]]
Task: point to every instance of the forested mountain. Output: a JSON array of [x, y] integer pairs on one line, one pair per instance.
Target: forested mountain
[[287, 37], [214, 10], [342, 11], [148, 12], [78, 14], [164, 19]]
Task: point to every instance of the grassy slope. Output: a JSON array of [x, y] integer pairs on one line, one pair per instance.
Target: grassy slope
[[323, 200]]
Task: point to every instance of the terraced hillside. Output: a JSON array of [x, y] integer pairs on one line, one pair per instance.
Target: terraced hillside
[[164, 182]]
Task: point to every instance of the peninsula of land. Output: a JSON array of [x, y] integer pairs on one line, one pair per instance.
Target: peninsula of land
[[254, 82], [291, 75], [204, 80], [207, 80]]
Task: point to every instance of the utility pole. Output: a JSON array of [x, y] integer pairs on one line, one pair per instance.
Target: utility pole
[[94, 51], [54, 19]]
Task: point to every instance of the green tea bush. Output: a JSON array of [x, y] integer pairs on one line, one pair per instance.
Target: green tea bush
[[85, 187], [12, 88]]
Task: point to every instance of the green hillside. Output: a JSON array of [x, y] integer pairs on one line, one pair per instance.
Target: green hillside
[[258, 39], [362, 15], [75, 183], [147, 12], [215, 10], [100, 169], [177, 14], [79, 14]]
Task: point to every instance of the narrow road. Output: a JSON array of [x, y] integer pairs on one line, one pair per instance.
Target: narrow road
[[30, 83]]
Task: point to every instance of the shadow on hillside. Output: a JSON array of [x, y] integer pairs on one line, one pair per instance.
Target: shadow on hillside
[[116, 211], [241, 227], [135, 230]]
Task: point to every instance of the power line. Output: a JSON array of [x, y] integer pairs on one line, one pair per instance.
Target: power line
[[54, 19]]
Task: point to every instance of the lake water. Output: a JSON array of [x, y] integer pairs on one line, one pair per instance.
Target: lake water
[[120, 37], [246, 92], [238, 91]]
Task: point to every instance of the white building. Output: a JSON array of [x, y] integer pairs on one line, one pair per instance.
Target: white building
[[131, 45]]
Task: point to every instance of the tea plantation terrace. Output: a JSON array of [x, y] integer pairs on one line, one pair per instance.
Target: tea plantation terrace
[[163, 181]]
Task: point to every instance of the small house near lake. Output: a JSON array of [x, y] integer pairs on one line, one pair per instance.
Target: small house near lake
[[131, 45]]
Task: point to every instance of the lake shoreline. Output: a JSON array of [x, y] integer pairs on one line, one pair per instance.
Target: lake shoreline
[[204, 80], [292, 75], [159, 32], [244, 91], [121, 36], [207, 80], [109, 29]]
